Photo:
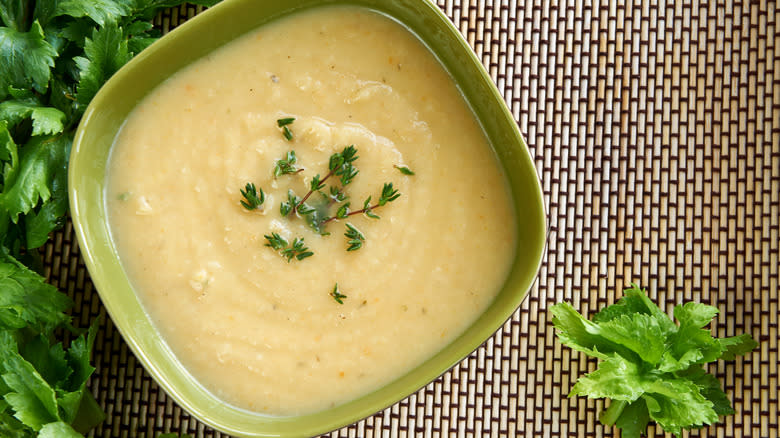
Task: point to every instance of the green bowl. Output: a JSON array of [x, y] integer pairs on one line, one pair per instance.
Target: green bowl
[[196, 38]]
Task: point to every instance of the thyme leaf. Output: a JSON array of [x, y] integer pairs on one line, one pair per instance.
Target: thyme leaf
[[316, 184], [343, 211], [405, 170], [285, 121], [282, 123], [367, 209]]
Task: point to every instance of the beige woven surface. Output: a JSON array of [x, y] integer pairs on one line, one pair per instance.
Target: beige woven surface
[[655, 128]]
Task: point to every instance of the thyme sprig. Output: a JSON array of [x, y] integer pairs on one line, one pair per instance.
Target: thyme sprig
[[286, 165], [336, 195], [389, 194], [296, 249], [339, 164], [337, 295], [356, 238], [287, 207], [251, 199]]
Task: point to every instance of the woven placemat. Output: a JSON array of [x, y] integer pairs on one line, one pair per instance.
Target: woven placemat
[[655, 129]]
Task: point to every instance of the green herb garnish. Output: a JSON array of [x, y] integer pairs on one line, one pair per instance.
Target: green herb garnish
[[339, 164], [288, 206], [367, 209], [336, 194], [650, 367], [317, 214], [285, 121], [282, 123], [355, 237], [343, 211], [389, 194], [286, 165], [405, 170], [297, 249], [337, 295], [251, 199]]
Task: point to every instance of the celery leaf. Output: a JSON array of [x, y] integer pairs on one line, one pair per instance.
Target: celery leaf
[[650, 367], [26, 59], [105, 52]]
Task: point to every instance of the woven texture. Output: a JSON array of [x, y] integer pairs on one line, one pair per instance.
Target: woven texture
[[655, 129]]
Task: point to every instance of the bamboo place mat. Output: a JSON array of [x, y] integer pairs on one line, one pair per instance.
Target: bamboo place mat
[[655, 129]]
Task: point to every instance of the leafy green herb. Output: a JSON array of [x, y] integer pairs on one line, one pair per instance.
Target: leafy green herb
[[275, 241], [95, 66], [339, 164], [355, 237], [286, 165], [297, 249], [285, 121], [405, 170], [650, 367], [317, 214], [389, 194], [304, 209], [337, 295], [343, 211], [316, 184], [337, 194], [54, 56], [44, 382], [251, 199], [287, 207], [339, 159], [282, 123], [367, 209], [28, 57]]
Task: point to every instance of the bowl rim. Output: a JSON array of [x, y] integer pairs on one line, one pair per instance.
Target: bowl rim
[[412, 381]]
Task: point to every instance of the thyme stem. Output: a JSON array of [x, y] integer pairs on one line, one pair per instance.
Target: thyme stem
[[352, 213], [295, 207]]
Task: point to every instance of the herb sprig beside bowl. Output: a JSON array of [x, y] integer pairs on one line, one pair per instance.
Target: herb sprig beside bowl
[[650, 368]]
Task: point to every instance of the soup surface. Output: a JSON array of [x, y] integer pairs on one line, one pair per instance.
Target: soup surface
[[268, 334]]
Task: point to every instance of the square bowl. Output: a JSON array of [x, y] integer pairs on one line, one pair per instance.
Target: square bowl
[[195, 39]]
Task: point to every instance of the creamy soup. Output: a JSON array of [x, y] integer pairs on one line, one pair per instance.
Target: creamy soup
[[268, 334]]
